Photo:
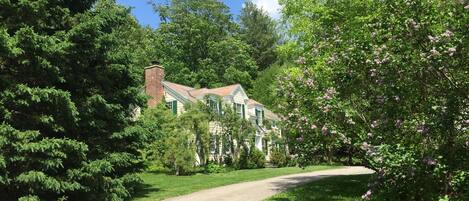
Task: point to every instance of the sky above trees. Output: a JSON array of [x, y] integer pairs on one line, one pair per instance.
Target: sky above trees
[[145, 15]]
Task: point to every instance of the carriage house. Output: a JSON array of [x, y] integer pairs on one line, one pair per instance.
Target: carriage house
[[176, 96]]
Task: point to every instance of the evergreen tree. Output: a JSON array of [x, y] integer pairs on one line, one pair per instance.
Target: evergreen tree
[[68, 79], [259, 31]]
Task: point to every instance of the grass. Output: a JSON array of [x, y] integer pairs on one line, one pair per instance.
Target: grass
[[338, 188], [158, 186]]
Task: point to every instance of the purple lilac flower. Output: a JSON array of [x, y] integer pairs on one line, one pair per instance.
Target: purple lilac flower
[[337, 29], [434, 52], [331, 91], [451, 51], [367, 195], [398, 123], [433, 39], [313, 126], [422, 128], [374, 124], [429, 161], [327, 97], [300, 139], [378, 61], [310, 82], [301, 60], [414, 24], [332, 59], [380, 99], [325, 130], [365, 146], [447, 34]]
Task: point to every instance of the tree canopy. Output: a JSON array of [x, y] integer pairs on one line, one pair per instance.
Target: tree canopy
[[194, 38]]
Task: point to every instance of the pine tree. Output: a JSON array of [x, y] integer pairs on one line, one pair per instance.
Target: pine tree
[[67, 81], [259, 31]]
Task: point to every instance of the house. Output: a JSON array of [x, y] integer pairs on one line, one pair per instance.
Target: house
[[177, 96]]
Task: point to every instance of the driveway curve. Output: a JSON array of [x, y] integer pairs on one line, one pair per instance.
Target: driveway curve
[[262, 189]]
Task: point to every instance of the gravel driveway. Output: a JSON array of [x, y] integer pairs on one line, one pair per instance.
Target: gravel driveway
[[262, 189]]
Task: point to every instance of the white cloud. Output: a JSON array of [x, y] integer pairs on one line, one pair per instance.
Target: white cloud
[[270, 6]]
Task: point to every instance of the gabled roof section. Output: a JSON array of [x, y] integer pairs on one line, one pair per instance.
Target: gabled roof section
[[224, 91], [191, 94], [252, 102], [271, 115], [180, 90], [198, 93], [221, 91]]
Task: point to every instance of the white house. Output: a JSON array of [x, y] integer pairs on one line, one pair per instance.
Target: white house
[[176, 96]]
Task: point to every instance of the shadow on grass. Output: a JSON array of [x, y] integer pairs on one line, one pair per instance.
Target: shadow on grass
[[337, 188], [142, 191]]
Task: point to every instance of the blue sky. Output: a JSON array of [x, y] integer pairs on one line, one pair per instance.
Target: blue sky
[[145, 15]]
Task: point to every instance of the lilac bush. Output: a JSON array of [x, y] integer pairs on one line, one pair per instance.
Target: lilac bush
[[383, 81]]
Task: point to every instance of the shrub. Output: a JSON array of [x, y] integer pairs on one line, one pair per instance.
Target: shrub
[[179, 157], [292, 161], [242, 161], [213, 167], [250, 159], [387, 85], [278, 159], [256, 158]]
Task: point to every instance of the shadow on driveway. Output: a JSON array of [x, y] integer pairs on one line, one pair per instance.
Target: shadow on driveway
[[334, 188]]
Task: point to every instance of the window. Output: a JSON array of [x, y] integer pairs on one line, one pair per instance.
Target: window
[[214, 105], [259, 116], [239, 109], [213, 144], [265, 146], [173, 106]]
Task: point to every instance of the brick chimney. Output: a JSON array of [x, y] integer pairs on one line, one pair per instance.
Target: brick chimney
[[154, 75]]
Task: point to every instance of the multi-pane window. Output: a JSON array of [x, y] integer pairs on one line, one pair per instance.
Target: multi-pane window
[[214, 105], [259, 117], [265, 146], [239, 109], [173, 106], [213, 144]]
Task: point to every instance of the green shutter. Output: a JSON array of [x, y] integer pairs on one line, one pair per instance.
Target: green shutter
[[175, 107], [263, 119], [243, 112]]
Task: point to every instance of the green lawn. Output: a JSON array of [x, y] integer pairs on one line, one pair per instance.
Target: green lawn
[[158, 186], [339, 188]]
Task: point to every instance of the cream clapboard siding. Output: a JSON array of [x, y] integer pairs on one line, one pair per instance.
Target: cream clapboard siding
[[240, 98], [180, 105]]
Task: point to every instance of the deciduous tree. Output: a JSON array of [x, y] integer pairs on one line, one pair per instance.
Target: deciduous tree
[[388, 82]]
